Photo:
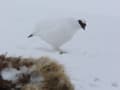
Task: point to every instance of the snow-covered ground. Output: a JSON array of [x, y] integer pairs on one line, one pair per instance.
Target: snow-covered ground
[[93, 58]]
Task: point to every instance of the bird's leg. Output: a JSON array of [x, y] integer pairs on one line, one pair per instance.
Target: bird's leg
[[60, 51]]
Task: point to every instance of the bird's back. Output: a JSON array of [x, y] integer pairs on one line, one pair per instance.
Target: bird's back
[[57, 32]]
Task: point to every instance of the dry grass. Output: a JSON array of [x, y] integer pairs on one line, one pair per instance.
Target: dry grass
[[53, 74]]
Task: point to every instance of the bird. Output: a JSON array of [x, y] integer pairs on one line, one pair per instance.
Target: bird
[[57, 32]]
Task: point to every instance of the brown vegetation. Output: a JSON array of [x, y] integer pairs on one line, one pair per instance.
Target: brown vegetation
[[53, 74]]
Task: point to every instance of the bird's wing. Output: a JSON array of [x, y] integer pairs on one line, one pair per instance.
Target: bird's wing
[[44, 26], [50, 25]]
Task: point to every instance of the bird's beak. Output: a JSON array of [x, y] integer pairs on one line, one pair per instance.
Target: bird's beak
[[31, 35], [84, 28]]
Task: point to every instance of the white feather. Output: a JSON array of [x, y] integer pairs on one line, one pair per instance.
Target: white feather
[[57, 32]]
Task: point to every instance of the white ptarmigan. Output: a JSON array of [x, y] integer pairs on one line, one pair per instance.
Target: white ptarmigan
[[59, 31]]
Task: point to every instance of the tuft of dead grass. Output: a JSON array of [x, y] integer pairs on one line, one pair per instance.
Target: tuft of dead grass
[[52, 73]]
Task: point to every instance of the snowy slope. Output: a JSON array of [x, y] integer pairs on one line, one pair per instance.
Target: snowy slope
[[93, 56]]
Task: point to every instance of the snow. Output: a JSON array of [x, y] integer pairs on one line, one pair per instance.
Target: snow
[[13, 74], [93, 57], [10, 74]]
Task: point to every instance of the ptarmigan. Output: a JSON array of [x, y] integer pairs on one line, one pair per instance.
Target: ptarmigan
[[59, 31]]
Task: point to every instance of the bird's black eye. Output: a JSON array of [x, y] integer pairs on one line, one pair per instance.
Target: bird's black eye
[[82, 24]]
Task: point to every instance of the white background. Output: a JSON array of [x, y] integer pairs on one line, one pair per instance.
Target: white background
[[93, 58]]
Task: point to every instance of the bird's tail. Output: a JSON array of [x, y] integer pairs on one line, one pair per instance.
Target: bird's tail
[[31, 35]]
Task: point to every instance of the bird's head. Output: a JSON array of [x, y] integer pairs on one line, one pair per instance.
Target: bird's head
[[82, 23]]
